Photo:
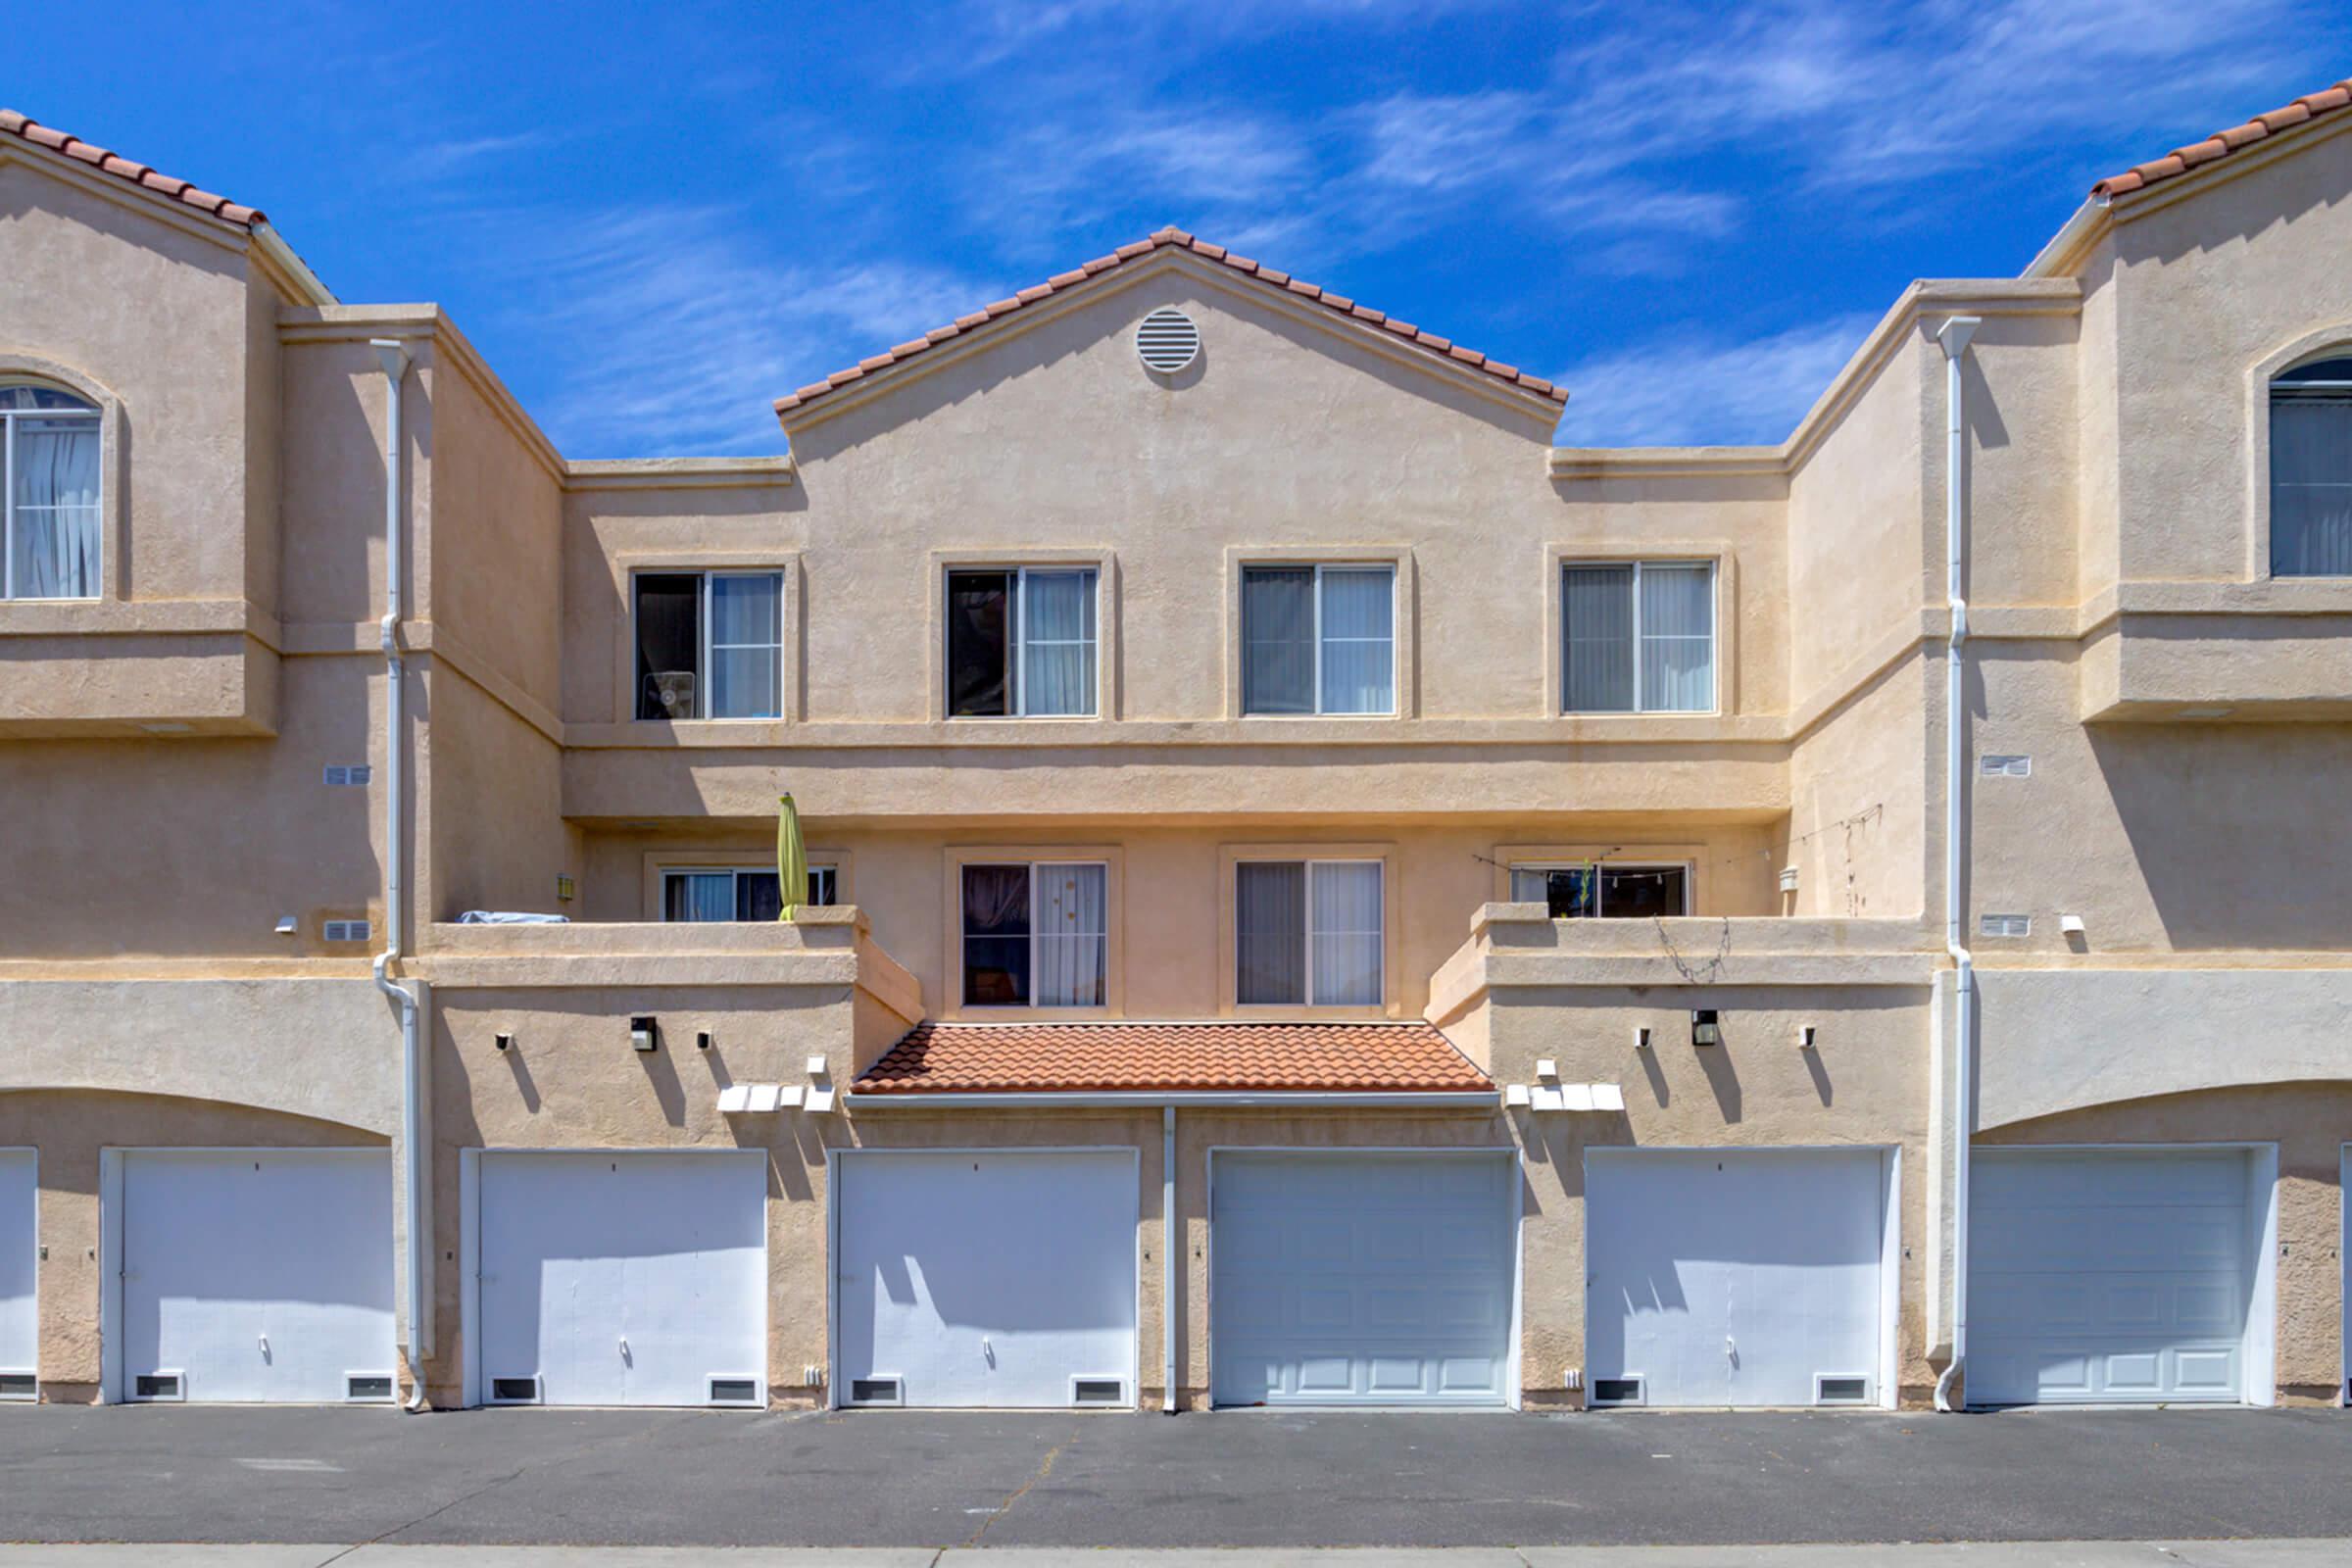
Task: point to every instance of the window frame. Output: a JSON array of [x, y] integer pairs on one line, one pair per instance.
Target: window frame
[[99, 411], [658, 862], [1015, 626], [1562, 564], [1599, 865], [1319, 568], [734, 875], [1392, 902], [2274, 389], [1110, 857], [780, 574], [1034, 868]]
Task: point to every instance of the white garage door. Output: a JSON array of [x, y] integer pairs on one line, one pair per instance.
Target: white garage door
[[1719, 1277], [255, 1274], [1362, 1279], [1003, 1279], [623, 1278], [19, 1252], [2108, 1276]]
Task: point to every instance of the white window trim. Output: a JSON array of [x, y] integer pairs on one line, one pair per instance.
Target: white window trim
[[702, 675], [1689, 869], [1319, 568], [1014, 647], [1559, 589], [96, 416], [962, 968], [1310, 864]]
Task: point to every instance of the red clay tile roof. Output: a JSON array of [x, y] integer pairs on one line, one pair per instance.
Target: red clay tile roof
[[204, 201], [2222, 143], [1445, 348], [971, 1058]]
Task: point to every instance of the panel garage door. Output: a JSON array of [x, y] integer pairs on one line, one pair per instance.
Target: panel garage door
[[20, 1253], [1720, 1276], [255, 1275], [1362, 1279], [985, 1278], [2109, 1276], [623, 1277]]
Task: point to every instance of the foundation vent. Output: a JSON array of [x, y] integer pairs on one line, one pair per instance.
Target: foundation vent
[[1829, 1389], [1097, 1390], [877, 1391], [347, 775], [1991, 766], [735, 1390], [1616, 1391], [20, 1385], [1168, 341], [367, 1386], [514, 1390], [2005, 925], [346, 930], [158, 1386]]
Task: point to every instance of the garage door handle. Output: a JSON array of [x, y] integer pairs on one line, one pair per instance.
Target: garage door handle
[[624, 1347]]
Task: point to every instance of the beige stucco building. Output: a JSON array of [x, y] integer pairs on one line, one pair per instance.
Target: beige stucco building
[[1318, 894]]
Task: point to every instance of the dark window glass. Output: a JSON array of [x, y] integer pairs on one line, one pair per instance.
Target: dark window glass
[[670, 644], [979, 640], [1568, 894], [996, 936], [758, 896], [1278, 640], [1640, 893], [824, 885], [2310, 471], [1269, 932]]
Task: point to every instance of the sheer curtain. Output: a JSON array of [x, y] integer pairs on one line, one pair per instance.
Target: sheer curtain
[[1269, 932], [747, 640], [1597, 640], [1071, 933], [1345, 898], [52, 540], [698, 896], [1359, 640], [1058, 643], [1278, 640], [1678, 639], [2311, 486]]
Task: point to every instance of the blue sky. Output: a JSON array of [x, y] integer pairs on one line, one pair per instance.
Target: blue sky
[[653, 218]]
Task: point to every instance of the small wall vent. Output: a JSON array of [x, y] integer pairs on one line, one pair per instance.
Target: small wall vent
[[1616, 1391], [1168, 341], [20, 1385], [877, 1391], [2005, 925], [2005, 767], [346, 930], [346, 775], [1829, 1388], [1097, 1390], [514, 1390], [158, 1386], [362, 1385], [735, 1390]]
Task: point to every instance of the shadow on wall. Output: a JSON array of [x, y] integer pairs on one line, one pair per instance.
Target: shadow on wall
[[2234, 829]]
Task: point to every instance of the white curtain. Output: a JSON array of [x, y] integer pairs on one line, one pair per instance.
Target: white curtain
[[1345, 900], [52, 540], [2311, 487], [1058, 643], [1070, 926], [1678, 639], [747, 637], [1278, 640], [1359, 641], [699, 896], [1596, 624], [1269, 907]]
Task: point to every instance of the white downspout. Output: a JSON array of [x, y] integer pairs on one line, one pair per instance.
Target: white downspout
[[1170, 1234], [1954, 337], [395, 362]]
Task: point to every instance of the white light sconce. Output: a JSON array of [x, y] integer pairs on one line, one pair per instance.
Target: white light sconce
[[1705, 1030], [642, 1035], [1787, 879], [1515, 1097], [287, 925], [1640, 1037], [1804, 1037], [1548, 1069]]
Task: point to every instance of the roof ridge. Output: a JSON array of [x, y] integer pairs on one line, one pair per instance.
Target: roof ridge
[[26, 128], [1165, 237], [2182, 160]]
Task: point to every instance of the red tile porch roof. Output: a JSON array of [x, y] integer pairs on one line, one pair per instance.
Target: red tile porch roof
[[1163, 239], [137, 173], [978, 1058], [2222, 143]]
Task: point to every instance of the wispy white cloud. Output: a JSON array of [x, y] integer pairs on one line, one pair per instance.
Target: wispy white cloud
[[1694, 389], [1219, 168], [436, 159]]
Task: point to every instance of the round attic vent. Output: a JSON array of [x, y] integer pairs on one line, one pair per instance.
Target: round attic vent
[[1167, 340]]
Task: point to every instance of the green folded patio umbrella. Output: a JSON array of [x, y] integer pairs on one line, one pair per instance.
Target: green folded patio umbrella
[[791, 859]]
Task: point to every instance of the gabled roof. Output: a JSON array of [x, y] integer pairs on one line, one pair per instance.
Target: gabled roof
[[1164, 239], [137, 173], [2222, 143], [966, 1059]]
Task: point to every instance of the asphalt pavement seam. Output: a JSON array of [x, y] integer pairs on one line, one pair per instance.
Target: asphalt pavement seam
[[1003, 1508]]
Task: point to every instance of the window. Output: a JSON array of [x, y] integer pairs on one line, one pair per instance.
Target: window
[[722, 893], [1308, 932], [2311, 470], [1318, 640], [1035, 934], [1638, 638], [1021, 643], [710, 645], [1604, 891], [49, 495]]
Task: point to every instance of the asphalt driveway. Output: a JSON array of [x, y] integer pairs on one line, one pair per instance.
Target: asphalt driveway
[[1254, 1479]]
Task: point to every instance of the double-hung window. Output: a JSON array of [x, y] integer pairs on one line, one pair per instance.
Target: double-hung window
[[2311, 470], [1307, 933], [49, 528], [724, 893], [1319, 639], [1638, 637], [710, 644], [1035, 934], [1604, 891], [1021, 643]]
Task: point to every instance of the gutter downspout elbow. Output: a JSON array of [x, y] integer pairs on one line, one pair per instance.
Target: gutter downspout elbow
[[393, 358], [1954, 337]]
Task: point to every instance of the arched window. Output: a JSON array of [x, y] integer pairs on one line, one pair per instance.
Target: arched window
[[49, 517], [2311, 470]]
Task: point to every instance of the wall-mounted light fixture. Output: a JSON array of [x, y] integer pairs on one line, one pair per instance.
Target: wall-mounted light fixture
[[1640, 1037], [1787, 879], [1548, 1069], [1804, 1037], [702, 1039], [287, 925], [564, 888], [503, 1042], [643, 1033], [1705, 1030]]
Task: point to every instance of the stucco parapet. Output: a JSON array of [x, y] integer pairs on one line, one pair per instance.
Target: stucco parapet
[[681, 473], [1519, 946], [821, 947]]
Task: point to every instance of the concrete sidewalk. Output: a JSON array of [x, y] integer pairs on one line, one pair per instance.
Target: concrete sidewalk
[[2012, 1554]]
